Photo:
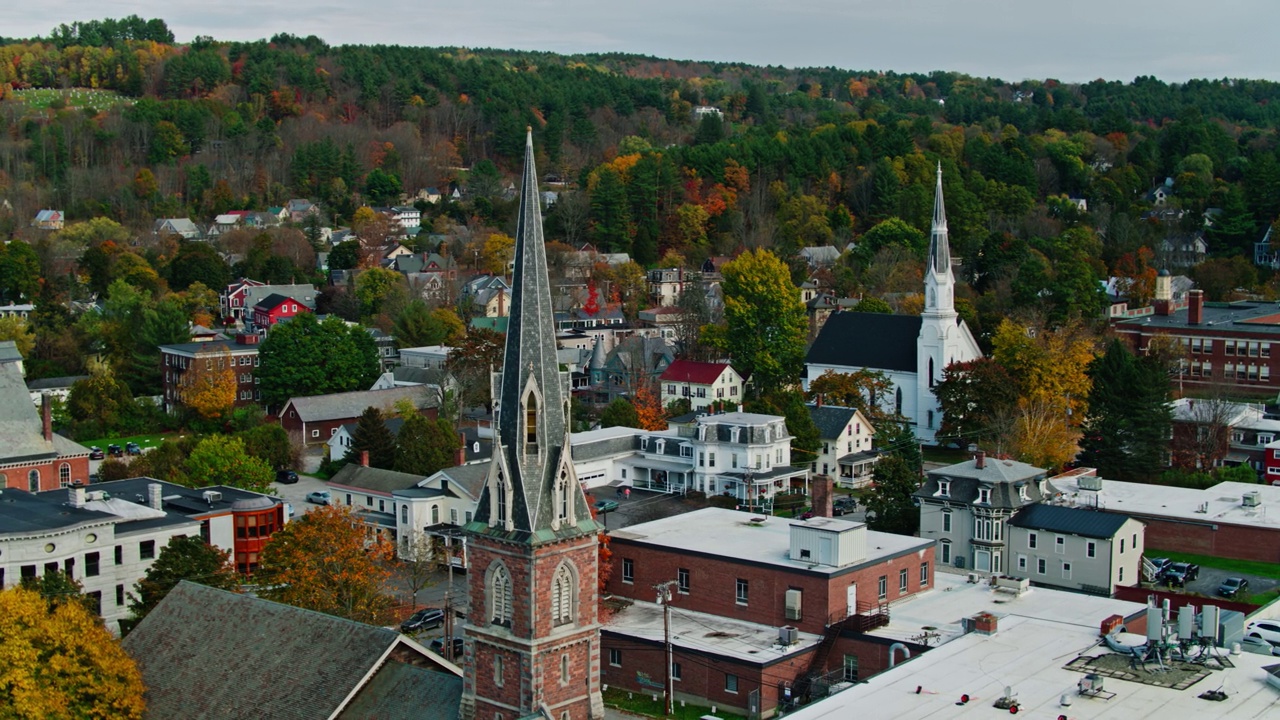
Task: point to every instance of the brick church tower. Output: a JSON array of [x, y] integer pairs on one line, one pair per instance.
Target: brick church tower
[[532, 547]]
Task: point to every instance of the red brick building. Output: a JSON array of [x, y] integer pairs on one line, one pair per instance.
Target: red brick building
[[824, 579], [32, 456], [532, 547], [1226, 343], [186, 365]]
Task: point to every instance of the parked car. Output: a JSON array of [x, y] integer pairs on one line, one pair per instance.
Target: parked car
[[133, 448], [1233, 586], [320, 497], [604, 506], [1258, 645], [114, 451], [95, 453], [1160, 564], [424, 619], [94, 478], [844, 505], [437, 646], [1179, 574], [286, 477], [1268, 630]]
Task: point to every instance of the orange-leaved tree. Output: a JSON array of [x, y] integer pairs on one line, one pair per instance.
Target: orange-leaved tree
[[60, 662], [326, 562], [649, 410]]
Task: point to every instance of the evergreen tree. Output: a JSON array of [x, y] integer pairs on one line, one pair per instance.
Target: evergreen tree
[[1127, 430], [425, 446], [620, 413], [890, 504], [371, 434], [610, 216]]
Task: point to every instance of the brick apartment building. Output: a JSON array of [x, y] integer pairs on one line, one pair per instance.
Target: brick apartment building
[[187, 364], [1225, 343], [817, 584]]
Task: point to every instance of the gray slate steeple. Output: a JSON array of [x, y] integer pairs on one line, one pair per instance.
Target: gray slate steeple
[[939, 248], [532, 494], [939, 282]]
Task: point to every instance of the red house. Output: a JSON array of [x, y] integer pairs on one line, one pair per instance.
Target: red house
[[313, 420], [274, 308]]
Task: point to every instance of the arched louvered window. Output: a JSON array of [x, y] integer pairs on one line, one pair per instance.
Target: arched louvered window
[[564, 596], [500, 594]]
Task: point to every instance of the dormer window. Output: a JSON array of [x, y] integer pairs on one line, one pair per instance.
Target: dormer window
[[660, 446], [944, 488], [644, 444], [702, 432], [984, 496], [1022, 493], [733, 434]]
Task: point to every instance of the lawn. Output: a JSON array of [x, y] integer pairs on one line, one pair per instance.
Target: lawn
[[644, 704], [146, 441], [42, 98], [1242, 567]]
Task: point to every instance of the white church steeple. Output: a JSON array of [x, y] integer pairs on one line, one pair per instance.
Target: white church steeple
[[939, 283]]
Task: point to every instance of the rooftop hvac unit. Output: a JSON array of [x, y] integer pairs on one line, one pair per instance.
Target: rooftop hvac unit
[[1090, 482], [212, 496], [793, 604], [788, 635], [1252, 498]]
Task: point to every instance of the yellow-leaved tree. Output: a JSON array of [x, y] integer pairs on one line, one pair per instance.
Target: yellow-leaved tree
[[59, 661], [1051, 368], [326, 562], [209, 385]]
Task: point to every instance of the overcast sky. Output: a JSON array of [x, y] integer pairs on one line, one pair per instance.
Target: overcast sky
[[1071, 40]]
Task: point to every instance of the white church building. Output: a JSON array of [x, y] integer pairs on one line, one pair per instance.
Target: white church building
[[912, 351]]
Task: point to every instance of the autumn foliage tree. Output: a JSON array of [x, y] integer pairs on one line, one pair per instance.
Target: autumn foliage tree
[[184, 558], [766, 320], [869, 391], [209, 388], [224, 460], [649, 411], [60, 662], [325, 562]]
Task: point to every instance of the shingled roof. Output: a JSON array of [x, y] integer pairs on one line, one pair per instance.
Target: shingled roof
[[867, 340], [339, 406], [1069, 521], [207, 653]]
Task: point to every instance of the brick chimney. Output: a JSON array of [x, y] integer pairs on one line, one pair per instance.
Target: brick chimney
[[822, 488], [818, 400], [460, 457], [985, 623], [1195, 307], [46, 416], [1110, 624], [77, 496], [980, 459], [364, 458]]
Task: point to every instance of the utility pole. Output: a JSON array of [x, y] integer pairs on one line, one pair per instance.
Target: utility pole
[[665, 595]]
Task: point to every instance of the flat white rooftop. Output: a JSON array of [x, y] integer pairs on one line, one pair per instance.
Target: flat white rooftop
[[589, 436], [940, 611], [1028, 656], [732, 534], [1223, 503], [749, 642]]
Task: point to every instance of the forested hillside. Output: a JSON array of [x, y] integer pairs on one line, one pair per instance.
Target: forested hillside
[[145, 128]]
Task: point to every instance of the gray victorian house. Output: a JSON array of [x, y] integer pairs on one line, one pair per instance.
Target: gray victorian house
[[966, 508]]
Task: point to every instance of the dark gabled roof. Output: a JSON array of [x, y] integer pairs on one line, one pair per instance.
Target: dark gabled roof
[[830, 419], [867, 340], [194, 647], [354, 475], [1069, 521], [405, 692], [1001, 477], [272, 301]]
